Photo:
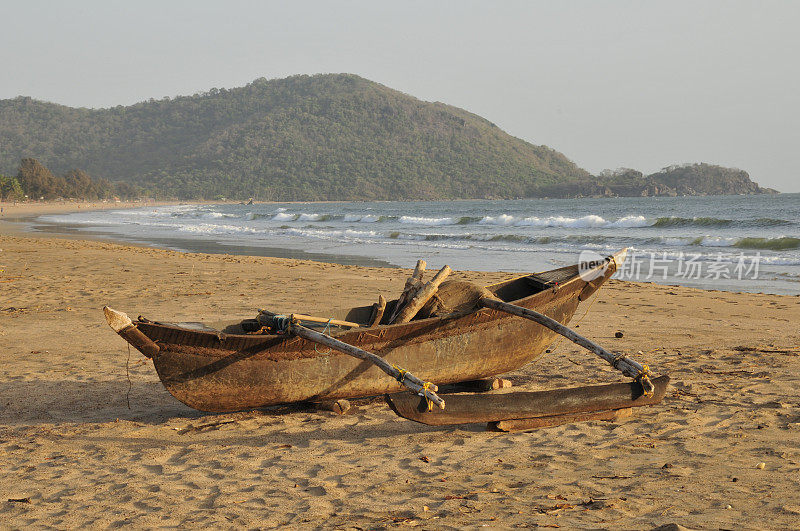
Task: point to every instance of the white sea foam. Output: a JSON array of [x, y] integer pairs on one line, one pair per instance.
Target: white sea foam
[[579, 223], [676, 242], [283, 216], [718, 241], [632, 222], [328, 234], [502, 219], [361, 218], [791, 260], [407, 236], [414, 220], [590, 221], [214, 229]]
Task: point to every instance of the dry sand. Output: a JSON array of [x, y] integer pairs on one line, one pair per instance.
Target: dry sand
[[75, 455]]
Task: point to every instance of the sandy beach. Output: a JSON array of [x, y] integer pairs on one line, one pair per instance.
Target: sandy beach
[[14, 209], [89, 437]]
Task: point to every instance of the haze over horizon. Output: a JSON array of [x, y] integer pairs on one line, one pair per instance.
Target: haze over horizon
[[609, 85]]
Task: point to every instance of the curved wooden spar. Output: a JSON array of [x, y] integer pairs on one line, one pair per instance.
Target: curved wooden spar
[[422, 388], [628, 366]]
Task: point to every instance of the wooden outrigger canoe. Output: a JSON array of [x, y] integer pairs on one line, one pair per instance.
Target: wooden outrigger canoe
[[221, 371]]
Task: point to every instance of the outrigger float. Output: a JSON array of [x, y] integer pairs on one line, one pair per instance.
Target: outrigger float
[[447, 332]]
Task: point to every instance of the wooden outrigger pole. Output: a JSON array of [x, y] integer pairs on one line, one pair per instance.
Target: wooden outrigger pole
[[427, 390], [624, 364], [530, 410]]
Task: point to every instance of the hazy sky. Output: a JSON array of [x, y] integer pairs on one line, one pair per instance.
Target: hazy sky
[[610, 84]]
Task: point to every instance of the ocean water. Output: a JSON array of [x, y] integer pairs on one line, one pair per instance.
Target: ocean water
[[736, 243]]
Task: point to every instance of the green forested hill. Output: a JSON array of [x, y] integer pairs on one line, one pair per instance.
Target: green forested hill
[[301, 138]]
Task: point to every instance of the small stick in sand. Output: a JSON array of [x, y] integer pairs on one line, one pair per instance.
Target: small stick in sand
[[340, 407]]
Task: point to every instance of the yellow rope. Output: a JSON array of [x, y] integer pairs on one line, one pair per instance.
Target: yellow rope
[[644, 377], [426, 387], [402, 372]]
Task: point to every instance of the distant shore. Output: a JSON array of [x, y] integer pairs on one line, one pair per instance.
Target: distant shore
[[17, 210]]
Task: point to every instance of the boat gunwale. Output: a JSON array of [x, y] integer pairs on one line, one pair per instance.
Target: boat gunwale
[[394, 326], [410, 331]]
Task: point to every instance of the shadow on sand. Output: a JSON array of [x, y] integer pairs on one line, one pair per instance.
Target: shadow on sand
[[73, 403]]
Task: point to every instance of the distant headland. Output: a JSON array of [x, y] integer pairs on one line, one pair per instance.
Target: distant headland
[[305, 138]]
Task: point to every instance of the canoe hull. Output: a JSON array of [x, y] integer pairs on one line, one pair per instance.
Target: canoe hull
[[215, 372], [211, 372]]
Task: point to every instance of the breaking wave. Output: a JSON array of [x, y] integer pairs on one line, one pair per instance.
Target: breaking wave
[[418, 220], [772, 244], [589, 221], [667, 222]]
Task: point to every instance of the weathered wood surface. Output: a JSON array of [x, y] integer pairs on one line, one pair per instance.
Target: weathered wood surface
[[536, 423], [212, 370], [419, 270], [123, 326], [422, 296], [413, 285], [491, 407], [377, 311], [624, 364], [314, 319], [426, 390]]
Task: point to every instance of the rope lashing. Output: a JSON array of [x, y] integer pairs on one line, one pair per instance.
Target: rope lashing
[[644, 380], [427, 386], [324, 331], [401, 373], [642, 372], [281, 323]]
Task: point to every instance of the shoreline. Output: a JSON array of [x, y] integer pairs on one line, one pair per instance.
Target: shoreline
[[16, 215], [21, 221]]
